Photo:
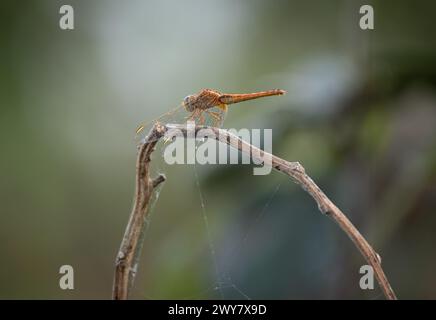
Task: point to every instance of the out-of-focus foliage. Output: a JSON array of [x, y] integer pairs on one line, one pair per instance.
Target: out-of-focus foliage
[[360, 115]]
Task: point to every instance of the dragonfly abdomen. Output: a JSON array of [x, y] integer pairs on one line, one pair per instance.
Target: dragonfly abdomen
[[235, 98]]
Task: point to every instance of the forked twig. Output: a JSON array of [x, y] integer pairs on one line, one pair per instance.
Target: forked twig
[[144, 189], [128, 255]]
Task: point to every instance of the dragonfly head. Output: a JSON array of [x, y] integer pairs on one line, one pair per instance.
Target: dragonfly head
[[188, 103]]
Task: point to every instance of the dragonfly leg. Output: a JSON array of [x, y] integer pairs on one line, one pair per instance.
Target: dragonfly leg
[[214, 114], [202, 119], [219, 116], [216, 117], [194, 115]]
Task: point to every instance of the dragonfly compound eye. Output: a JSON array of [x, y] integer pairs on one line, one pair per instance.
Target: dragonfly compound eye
[[187, 103]]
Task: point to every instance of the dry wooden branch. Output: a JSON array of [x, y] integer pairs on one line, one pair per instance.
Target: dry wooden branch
[[292, 169], [128, 255]]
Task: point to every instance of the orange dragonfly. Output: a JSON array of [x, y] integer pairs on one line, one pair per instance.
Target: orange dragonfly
[[211, 105]]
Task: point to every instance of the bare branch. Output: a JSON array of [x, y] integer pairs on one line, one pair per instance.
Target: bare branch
[[126, 261], [292, 169]]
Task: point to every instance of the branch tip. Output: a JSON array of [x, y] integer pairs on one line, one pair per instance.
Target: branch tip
[[158, 180]]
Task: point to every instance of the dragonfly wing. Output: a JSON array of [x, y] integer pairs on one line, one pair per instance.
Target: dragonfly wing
[[215, 116], [171, 116]]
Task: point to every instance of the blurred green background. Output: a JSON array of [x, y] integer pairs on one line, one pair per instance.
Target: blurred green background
[[360, 115]]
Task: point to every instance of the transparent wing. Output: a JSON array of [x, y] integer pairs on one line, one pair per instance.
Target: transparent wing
[[213, 117], [176, 115]]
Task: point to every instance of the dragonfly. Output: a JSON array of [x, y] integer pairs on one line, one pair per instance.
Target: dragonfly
[[211, 106]]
